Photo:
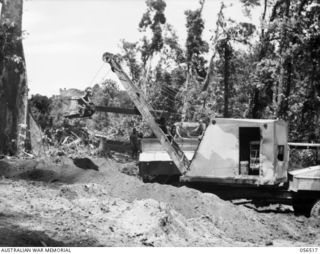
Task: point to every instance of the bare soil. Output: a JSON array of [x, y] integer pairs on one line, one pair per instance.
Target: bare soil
[[76, 203]]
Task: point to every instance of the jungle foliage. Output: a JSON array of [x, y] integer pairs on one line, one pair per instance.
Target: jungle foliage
[[266, 70]]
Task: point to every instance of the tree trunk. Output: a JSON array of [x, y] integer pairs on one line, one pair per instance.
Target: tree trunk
[[285, 68], [285, 102], [185, 102], [279, 92], [209, 75], [226, 82], [255, 106], [145, 76], [13, 82]]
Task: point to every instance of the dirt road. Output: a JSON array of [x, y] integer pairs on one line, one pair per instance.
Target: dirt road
[[59, 204]]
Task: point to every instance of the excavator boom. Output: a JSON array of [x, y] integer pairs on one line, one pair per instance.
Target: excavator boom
[[145, 109], [117, 110], [90, 110]]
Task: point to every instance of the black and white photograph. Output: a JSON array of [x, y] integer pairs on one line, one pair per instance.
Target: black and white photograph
[[159, 123]]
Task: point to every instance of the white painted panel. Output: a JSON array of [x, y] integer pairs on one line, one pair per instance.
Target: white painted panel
[[218, 152], [160, 156], [267, 153], [282, 139]]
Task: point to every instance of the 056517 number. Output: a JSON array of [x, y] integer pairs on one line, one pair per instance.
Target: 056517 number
[[308, 250]]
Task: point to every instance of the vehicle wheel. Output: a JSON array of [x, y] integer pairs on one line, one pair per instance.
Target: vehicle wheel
[[315, 210]]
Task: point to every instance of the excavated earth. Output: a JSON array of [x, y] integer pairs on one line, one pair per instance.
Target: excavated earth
[[86, 202]]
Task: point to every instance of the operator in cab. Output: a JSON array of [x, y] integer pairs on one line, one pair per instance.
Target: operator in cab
[[85, 104]]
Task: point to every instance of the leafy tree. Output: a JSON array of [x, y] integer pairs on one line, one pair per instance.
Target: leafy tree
[[40, 107], [228, 35], [153, 19], [130, 56], [196, 47], [170, 57], [285, 77]]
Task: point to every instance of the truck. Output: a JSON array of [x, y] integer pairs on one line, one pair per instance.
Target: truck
[[233, 158]]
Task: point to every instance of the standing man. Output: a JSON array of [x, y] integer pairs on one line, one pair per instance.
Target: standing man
[[162, 124], [134, 141]]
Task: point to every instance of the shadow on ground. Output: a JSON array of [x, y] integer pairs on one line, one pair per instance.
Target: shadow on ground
[[13, 235]]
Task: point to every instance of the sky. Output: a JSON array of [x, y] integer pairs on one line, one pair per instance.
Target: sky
[[65, 39]]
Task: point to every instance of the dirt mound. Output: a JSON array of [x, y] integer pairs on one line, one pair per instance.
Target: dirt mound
[[237, 222], [109, 208], [85, 215]]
